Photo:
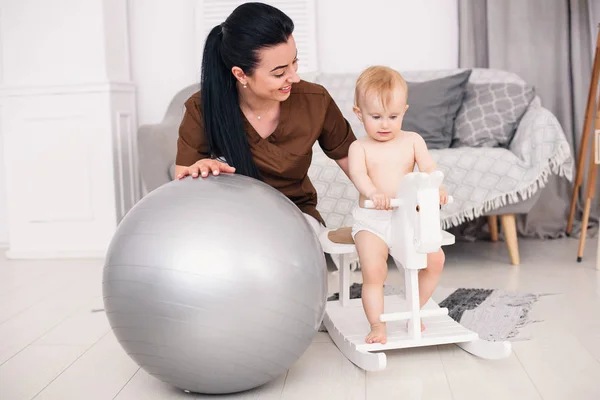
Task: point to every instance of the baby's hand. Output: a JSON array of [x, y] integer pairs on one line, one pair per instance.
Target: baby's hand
[[381, 201], [443, 195]]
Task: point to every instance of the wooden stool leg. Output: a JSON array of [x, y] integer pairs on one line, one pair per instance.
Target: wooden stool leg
[[584, 222], [589, 195], [493, 223], [509, 227], [583, 147]]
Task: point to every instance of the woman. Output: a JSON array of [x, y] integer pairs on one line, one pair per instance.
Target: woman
[[254, 111]]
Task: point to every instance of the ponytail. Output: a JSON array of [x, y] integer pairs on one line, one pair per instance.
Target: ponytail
[[223, 124], [236, 42]]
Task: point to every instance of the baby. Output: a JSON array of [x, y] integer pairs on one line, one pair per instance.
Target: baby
[[377, 163]]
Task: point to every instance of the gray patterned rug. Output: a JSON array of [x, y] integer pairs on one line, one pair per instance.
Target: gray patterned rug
[[496, 315]]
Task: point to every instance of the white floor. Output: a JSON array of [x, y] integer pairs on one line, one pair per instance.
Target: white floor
[[52, 346]]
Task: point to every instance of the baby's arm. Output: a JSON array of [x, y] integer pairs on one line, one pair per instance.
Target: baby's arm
[[357, 167], [422, 157], [426, 163]]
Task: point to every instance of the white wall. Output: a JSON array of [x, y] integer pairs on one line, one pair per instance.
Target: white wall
[[163, 53], [67, 126], [403, 34], [165, 46], [3, 206]]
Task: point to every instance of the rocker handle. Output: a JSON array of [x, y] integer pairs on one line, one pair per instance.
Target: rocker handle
[[394, 203]]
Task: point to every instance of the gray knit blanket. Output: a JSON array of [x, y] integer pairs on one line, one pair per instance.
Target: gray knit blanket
[[479, 179]]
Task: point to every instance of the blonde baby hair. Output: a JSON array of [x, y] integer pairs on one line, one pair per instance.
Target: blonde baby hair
[[380, 81]]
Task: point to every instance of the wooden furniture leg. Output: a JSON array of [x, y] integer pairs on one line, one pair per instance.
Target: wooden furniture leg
[[493, 223], [509, 227], [583, 146], [589, 192]]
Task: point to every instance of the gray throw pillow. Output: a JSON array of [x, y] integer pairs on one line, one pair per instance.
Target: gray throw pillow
[[490, 114], [432, 108]]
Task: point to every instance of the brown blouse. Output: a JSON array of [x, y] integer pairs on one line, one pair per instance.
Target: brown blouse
[[309, 114]]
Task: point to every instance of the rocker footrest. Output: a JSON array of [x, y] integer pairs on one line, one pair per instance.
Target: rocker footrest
[[400, 316]]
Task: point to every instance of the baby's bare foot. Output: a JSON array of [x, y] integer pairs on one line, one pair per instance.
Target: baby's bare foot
[[377, 334]]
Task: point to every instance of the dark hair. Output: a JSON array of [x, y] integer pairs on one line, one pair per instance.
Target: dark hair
[[236, 42]]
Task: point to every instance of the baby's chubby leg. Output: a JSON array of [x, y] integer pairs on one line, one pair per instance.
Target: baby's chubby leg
[[430, 276], [373, 254]]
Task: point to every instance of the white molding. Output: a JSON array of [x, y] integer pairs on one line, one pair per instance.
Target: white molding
[[73, 112], [120, 179], [51, 255], [95, 132], [92, 87], [127, 171], [1, 47], [85, 212], [133, 170]]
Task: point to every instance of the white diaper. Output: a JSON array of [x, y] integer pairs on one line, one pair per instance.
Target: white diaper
[[378, 222]]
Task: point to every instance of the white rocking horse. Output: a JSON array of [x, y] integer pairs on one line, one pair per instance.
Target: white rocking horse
[[415, 232]]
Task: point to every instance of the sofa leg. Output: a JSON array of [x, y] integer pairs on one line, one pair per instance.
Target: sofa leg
[[509, 227], [493, 223]]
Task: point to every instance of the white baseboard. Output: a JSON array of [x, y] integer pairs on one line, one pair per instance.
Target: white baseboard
[[53, 255]]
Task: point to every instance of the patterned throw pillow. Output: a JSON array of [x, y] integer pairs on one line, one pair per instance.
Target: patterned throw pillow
[[490, 114]]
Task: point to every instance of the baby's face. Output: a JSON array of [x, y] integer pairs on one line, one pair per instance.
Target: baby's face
[[382, 124]]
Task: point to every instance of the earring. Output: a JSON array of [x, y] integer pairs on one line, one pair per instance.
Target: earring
[[245, 86]]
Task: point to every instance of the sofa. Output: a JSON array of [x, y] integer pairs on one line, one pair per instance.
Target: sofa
[[486, 129]]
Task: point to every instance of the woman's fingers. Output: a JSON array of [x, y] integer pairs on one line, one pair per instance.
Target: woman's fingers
[[204, 168], [184, 172], [227, 168], [217, 167]]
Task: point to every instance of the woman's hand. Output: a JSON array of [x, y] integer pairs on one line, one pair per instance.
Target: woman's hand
[[203, 167]]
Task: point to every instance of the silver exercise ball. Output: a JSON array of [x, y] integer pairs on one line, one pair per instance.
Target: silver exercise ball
[[215, 285]]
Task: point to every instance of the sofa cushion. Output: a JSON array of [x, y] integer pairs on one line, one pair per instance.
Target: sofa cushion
[[490, 114], [433, 106], [478, 75]]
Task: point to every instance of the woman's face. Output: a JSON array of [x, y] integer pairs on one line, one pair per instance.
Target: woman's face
[[275, 74]]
